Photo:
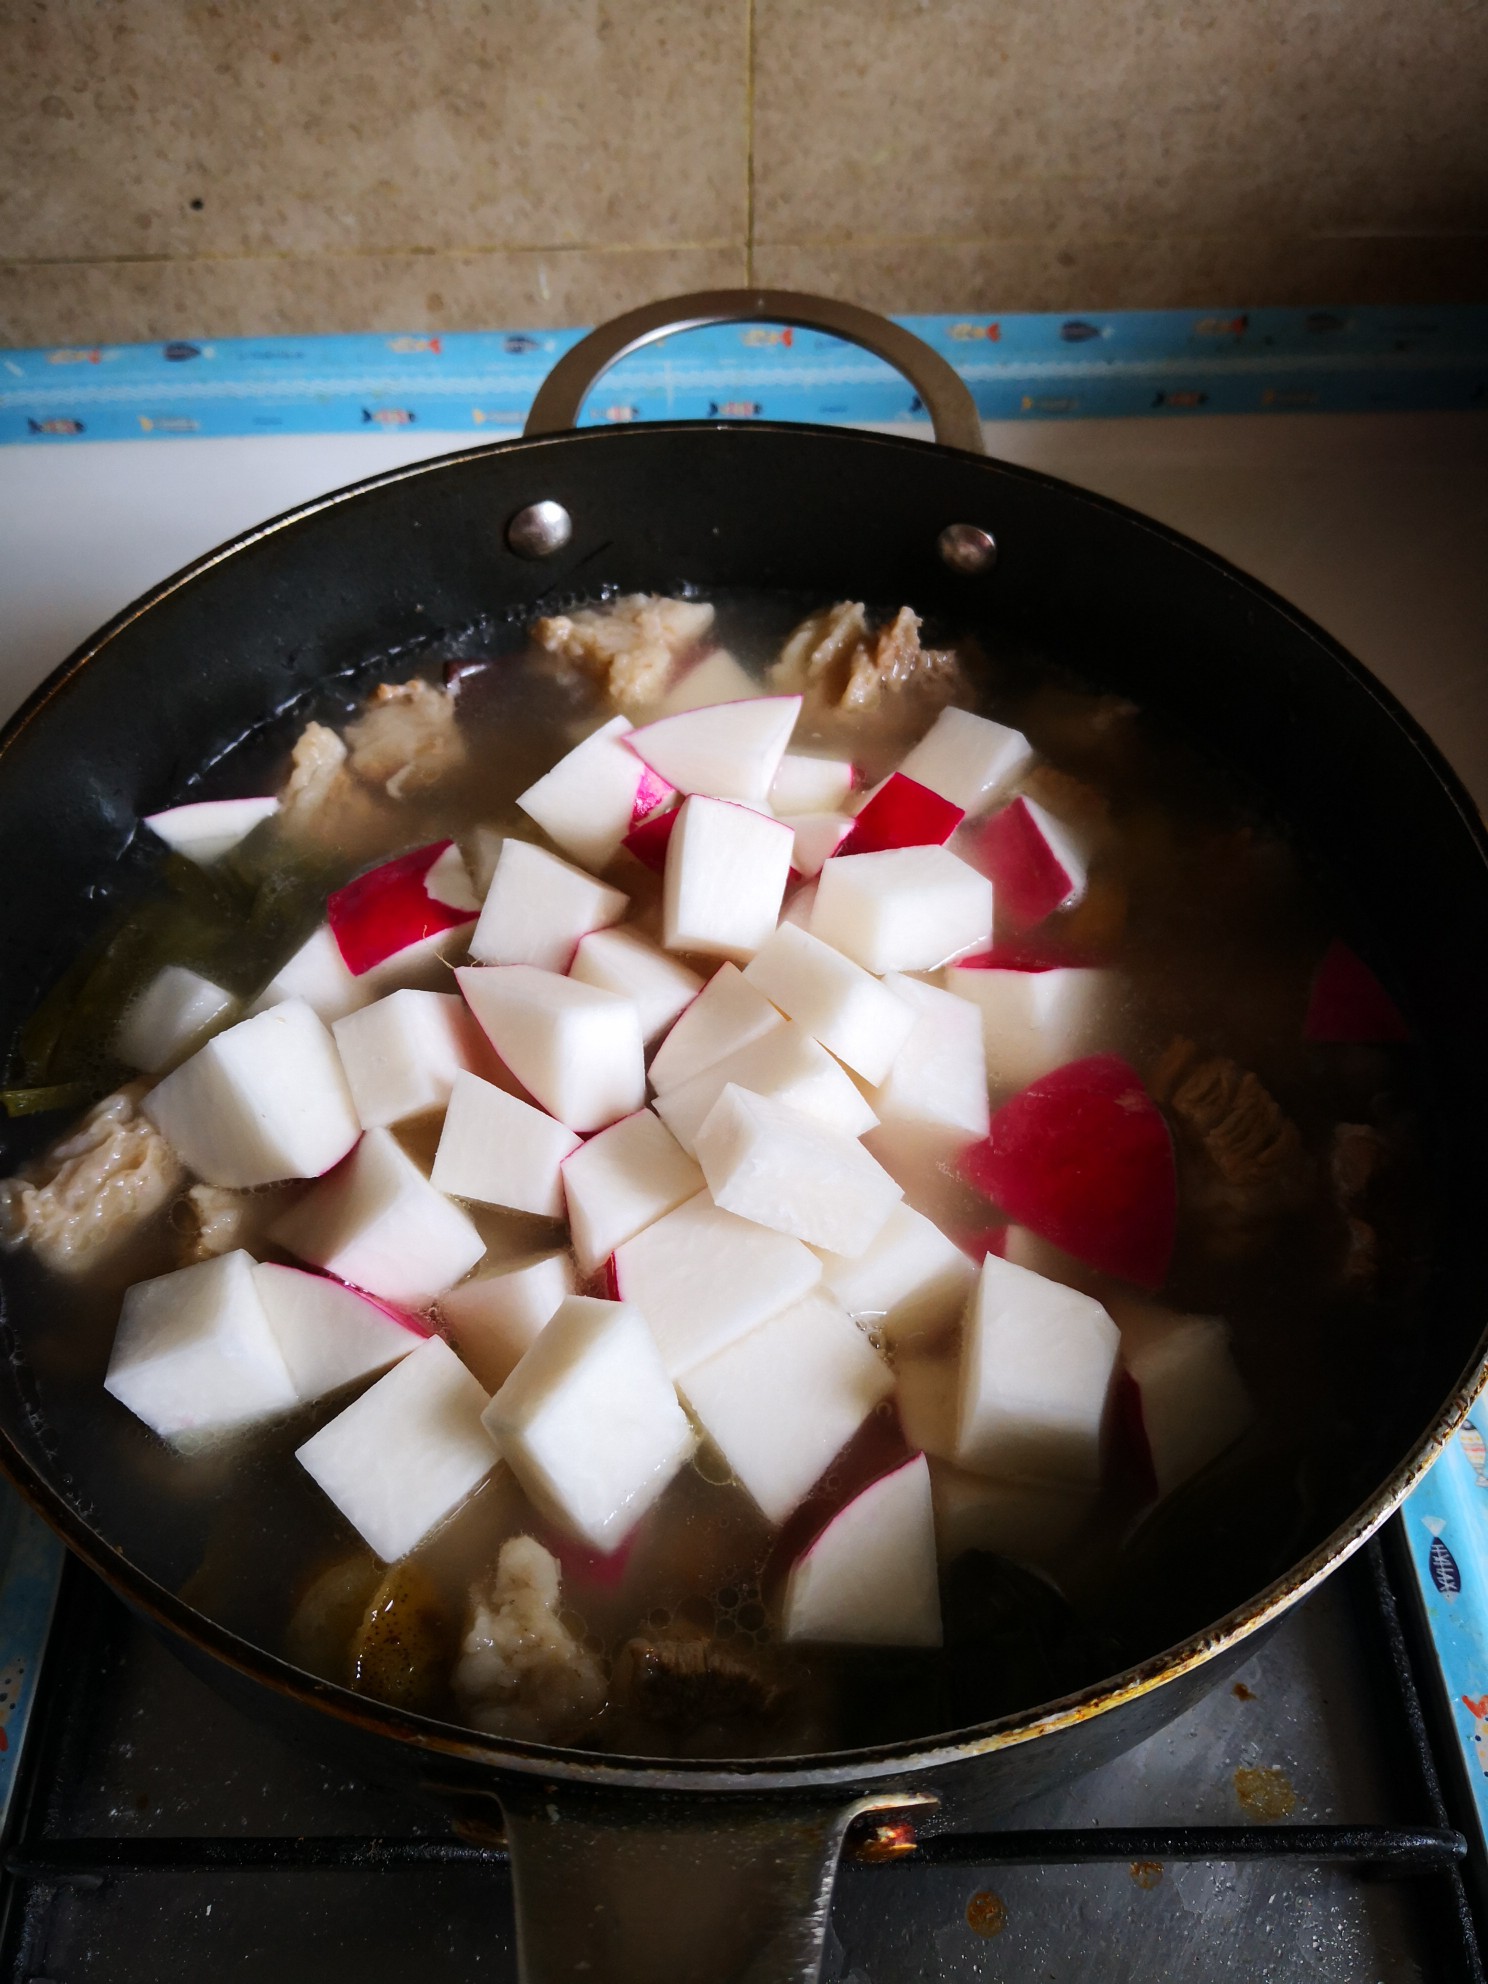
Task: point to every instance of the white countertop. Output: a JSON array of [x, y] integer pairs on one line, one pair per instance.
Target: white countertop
[[1375, 524]]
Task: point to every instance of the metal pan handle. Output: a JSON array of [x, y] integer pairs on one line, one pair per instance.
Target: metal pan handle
[[946, 398]]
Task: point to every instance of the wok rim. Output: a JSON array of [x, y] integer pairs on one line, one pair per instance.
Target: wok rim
[[813, 1771]]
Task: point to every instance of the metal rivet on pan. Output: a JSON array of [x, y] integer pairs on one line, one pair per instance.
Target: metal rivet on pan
[[967, 548], [539, 530]]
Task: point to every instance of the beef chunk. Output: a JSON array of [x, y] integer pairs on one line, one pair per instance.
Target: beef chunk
[[1242, 1164], [92, 1190]]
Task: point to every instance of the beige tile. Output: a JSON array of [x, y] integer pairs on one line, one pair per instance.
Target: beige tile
[[1084, 119], [1240, 271], [111, 302], [309, 126]]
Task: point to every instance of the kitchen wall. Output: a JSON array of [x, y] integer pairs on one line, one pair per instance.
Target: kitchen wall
[[169, 167]]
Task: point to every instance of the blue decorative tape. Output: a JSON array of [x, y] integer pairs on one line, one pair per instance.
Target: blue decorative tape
[[32, 1558], [1153, 362], [1446, 1523]]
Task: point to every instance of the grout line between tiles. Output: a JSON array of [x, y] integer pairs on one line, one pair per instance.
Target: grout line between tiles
[[369, 254]]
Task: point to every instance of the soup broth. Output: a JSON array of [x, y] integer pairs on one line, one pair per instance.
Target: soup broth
[[1208, 946]]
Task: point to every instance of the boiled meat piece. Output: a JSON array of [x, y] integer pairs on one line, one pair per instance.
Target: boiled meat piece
[[86, 1195], [406, 739], [1244, 1164], [633, 644], [521, 1672]]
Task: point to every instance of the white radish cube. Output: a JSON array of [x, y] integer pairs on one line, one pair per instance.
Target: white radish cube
[[590, 800], [328, 1333], [870, 1578], [622, 1180], [786, 1170], [903, 909], [620, 960], [846, 1008], [538, 907], [1037, 1361], [1037, 864], [1027, 1249], [402, 1053], [799, 906], [1035, 1021], [589, 1422], [169, 1018], [1032, 1522], [378, 1223], [265, 1100], [727, 1014], [926, 1160], [319, 977], [1193, 1401], [804, 784], [448, 881], [405, 1454], [910, 1285], [209, 828], [939, 1076], [817, 838], [495, 1317], [726, 750], [927, 1395], [701, 1278], [195, 1353], [575, 1048], [968, 759], [726, 870], [500, 1151], [717, 678], [783, 1401], [785, 1063]]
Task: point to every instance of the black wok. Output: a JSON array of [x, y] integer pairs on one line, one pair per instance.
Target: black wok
[[627, 1870]]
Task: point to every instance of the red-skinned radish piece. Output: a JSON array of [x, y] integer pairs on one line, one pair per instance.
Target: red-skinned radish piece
[[329, 1334], [402, 1054], [621, 960], [207, 829], [169, 1018], [1083, 1157], [649, 839], [852, 1013], [782, 1401], [785, 1063], [783, 1169], [195, 1353], [378, 1223], [388, 910], [1037, 1365], [726, 1015], [495, 1316], [703, 1278], [621, 1181], [318, 976], [406, 1453], [723, 750], [589, 1422], [265, 1100], [448, 881], [1036, 1016], [726, 870], [715, 678], [804, 784], [968, 759], [902, 813], [870, 1577], [1036, 864], [592, 798], [1191, 1403], [538, 907], [1349, 1005], [575, 1049], [500, 1151], [906, 909]]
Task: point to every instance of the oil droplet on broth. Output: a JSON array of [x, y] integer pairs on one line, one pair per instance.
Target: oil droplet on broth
[[986, 1913], [1265, 1792]]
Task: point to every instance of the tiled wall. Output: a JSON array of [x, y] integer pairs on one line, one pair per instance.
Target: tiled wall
[[177, 167]]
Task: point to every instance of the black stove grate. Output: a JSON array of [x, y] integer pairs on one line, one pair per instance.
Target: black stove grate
[[1433, 1847]]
